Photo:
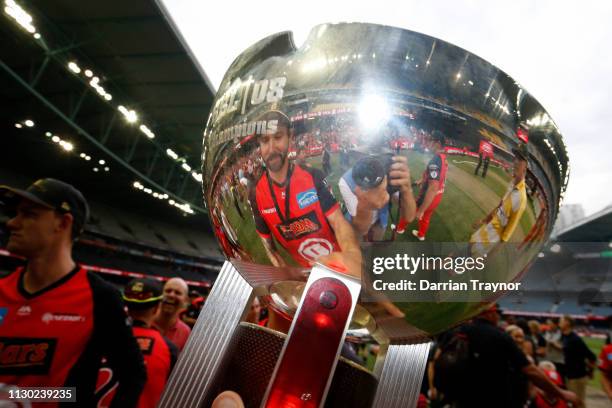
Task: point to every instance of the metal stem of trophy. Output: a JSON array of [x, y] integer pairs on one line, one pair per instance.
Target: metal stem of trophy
[[200, 361], [402, 373], [209, 339]]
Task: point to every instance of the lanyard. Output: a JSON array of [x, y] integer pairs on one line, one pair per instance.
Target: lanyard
[[287, 193]]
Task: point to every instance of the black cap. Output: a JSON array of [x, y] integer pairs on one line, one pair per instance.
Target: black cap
[[521, 152], [55, 195], [438, 136], [368, 172], [143, 291]]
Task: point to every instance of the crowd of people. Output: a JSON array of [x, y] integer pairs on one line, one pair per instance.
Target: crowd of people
[[64, 326], [513, 362]]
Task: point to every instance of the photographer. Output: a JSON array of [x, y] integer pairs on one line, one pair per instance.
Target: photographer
[[366, 189]]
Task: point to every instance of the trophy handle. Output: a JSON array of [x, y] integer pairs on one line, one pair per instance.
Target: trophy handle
[[306, 365]]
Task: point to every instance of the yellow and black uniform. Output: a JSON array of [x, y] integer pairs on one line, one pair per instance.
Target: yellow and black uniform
[[504, 221]]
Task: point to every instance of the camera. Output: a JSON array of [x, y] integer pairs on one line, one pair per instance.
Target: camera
[[370, 171]]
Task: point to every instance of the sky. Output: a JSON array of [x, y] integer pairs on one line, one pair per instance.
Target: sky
[[560, 51]]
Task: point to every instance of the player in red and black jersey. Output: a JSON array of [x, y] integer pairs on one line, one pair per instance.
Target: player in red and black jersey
[[604, 363], [293, 204], [485, 154], [58, 319], [432, 185], [143, 297]]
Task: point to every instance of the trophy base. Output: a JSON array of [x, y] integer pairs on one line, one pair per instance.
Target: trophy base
[[224, 354]]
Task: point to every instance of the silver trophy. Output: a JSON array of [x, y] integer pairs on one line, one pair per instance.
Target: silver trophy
[[326, 165]]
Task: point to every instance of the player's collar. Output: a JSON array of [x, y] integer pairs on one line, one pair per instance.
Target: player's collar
[[287, 178]]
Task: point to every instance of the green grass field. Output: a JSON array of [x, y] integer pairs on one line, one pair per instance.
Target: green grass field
[[466, 199]]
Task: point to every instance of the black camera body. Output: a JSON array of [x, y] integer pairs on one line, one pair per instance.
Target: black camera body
[[387, 160], [369, 171]]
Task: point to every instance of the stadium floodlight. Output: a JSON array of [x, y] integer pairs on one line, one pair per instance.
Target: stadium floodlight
[[172, 154], [186, 167], [88, 158], [107, 168], [20, 16], [556, 248], [102, 162], [108, 96], [48, 134], [29, 123], [74, 67], [144, 129], [18, 125], [88, 73], [37, 36], [374, 112], [171, 201], [610, 245], [130, 115], [82, 155], [197, 176], [67, 146], [95, 169], [56, 139]]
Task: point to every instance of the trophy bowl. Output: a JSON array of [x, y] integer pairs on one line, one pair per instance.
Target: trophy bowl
[[299, 136], [378, 154]]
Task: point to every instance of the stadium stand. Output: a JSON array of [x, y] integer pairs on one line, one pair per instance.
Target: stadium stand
[[572, 274], [72, 79]]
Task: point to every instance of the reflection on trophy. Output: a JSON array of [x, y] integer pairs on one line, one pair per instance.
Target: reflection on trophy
[[317, 160]]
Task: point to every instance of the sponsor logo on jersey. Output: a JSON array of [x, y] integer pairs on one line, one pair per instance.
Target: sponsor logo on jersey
[[3, 313], [23, 356], [306, 198], [269, 210], [146, 344], [313, 248], [24, 310], [296, 228], [62, 317]]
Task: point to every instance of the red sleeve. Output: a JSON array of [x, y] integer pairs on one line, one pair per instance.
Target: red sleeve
[[326, 198]]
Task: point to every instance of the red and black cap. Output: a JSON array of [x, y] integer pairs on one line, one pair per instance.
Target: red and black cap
[[143, 291], [55, 195]]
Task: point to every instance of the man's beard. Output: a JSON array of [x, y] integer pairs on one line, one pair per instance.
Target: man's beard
[[275, 165]]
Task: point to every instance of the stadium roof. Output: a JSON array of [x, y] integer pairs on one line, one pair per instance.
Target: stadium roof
[[596, 228], [104, 77]]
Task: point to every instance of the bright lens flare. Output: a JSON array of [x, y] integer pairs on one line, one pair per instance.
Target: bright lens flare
[[374, 112]]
